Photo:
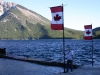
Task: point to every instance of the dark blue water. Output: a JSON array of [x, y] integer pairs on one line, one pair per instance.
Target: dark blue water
[[52, 49]]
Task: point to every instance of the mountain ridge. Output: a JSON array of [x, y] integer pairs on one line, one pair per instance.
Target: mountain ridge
[[5, 6], [21, 23]]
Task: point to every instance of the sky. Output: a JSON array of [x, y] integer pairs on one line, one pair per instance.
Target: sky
[[77, 13]]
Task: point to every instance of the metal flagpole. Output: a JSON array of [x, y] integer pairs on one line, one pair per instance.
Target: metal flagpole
[[64, 50], [92, 47], [63, 36], [63, 40], [92, 52]]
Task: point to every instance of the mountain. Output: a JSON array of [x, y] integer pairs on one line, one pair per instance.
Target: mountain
[[18, 22], [96, 33], [5, 6]]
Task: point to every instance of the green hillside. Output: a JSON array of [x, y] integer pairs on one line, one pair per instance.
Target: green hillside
[[96, 33], [15, 24]]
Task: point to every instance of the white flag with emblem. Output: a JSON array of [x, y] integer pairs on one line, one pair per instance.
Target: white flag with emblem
[[88, 32], [57, 18]]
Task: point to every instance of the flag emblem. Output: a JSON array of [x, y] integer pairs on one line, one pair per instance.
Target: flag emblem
[[88, 32], [57, 17]]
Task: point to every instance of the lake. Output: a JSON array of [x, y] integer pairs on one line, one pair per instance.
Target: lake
[[52, 49]]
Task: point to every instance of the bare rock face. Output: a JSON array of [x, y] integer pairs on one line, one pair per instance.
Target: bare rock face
[[5, 6], [1, 10]]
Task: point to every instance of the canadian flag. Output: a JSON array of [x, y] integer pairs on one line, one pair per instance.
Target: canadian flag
[[57, 18], [88, 32]]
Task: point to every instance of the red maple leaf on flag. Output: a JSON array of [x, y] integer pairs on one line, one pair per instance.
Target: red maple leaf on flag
[[88, 32], [57, 17]]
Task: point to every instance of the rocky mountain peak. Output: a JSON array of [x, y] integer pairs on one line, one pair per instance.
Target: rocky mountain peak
[[1, 1], [5, 6]]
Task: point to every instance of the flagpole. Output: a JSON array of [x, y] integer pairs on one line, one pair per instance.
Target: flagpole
[[61, 27], [64, 50], [90, 38], [63, 40], [92, 46], [92, 52]]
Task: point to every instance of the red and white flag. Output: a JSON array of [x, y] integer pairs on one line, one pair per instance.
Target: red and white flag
[[57, 18], [88, 32]]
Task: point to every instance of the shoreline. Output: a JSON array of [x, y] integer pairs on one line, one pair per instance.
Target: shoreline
[[85, 70], [38, 61]]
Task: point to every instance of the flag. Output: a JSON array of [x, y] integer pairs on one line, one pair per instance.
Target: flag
[[88, 32], [57, 18]]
